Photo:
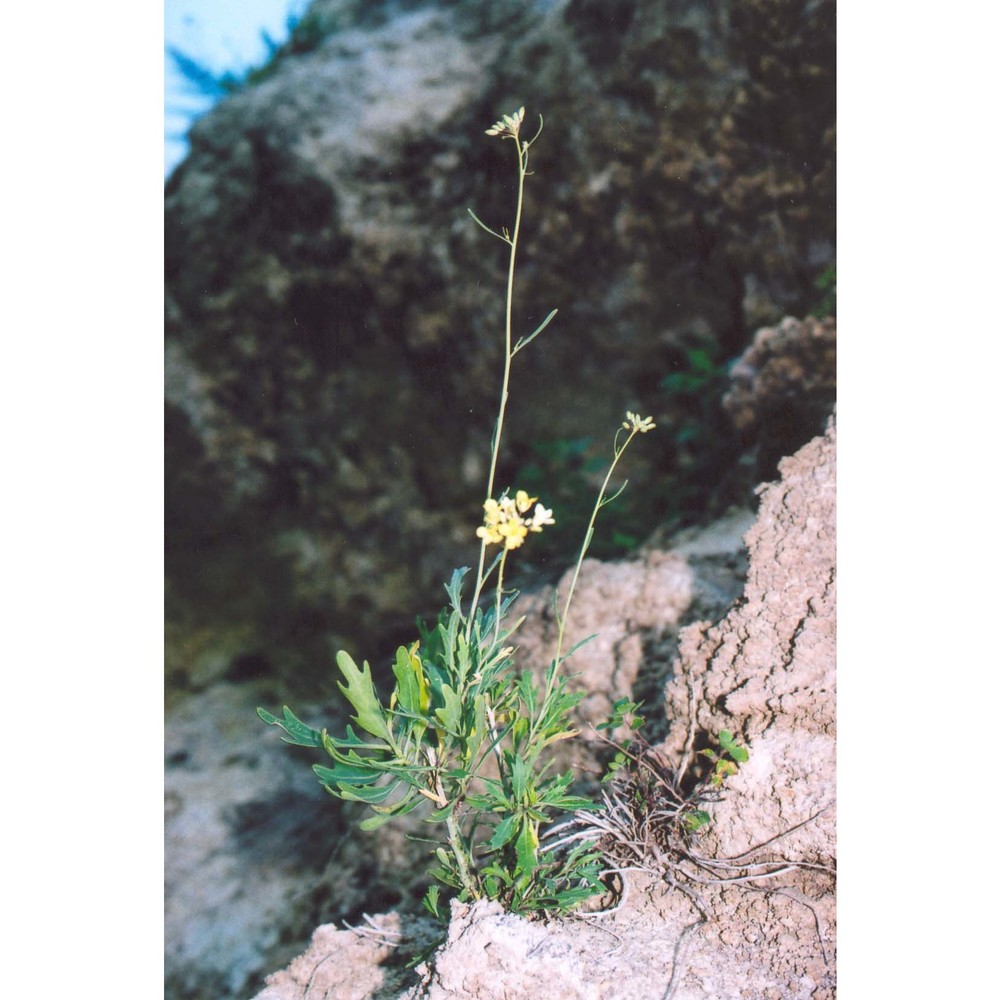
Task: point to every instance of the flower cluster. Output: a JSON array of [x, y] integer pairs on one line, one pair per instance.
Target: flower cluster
[[505, 523], [509, 126], [637, 423]]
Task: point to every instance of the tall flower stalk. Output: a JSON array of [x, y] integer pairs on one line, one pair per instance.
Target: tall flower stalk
[[508, 127], [463, 734]]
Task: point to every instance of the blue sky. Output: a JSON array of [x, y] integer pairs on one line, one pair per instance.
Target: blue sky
[[222, 35]]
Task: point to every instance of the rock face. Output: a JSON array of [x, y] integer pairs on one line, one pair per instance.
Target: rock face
[[628, 615], [784, 383], [334, 318], [765, 672], [241, 870], [258, 853], [333, 346]]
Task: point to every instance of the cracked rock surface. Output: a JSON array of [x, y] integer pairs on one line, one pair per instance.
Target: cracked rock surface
[[258, 854], [766, 672]]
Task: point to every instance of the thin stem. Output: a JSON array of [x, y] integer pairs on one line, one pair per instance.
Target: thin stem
[[455, 839], [522, 164], [454, 831], [503, 562], [586, 545]]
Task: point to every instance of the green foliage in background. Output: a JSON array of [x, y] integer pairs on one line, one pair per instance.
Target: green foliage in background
[[826, 285]]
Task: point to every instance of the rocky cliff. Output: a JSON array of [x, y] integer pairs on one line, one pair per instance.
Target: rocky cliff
[[333, 341], [334, 317], [764, 926]]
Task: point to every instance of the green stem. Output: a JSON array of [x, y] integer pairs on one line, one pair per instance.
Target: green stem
[[455, 839], [583, 551], [503, 562], [522, 164]]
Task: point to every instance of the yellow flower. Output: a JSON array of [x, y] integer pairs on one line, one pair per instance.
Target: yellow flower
[[490, 533], [514, 533], [524, 502], [504, 522]]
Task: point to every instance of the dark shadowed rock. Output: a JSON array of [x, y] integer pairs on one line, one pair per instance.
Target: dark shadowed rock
[[784, 386], [334, 318]]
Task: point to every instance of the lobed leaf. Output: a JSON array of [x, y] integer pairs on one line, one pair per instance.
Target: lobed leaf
[[454, 588], [430, 901], [360, 692], [299, 734], [450, 715]]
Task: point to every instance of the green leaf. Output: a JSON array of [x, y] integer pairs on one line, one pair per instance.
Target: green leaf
[[575, 647], [498, 873], [726, 740], [451, 714], [524, 341], [527, 847], [503, 834], [482, 225], [370, 794], [520, 773], [479, 729], [411, 683], [385, 813], [374, 822], [360, 692], [519, 729], [345, 774], [700, 361], [575, 802], [440, 815], [464, 660], [739, 753], [407, 690], [449, 642], [696, 819], [351, 740], [528, 693], [299, 734], [430, 900], [454, 589], [494, 799]]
